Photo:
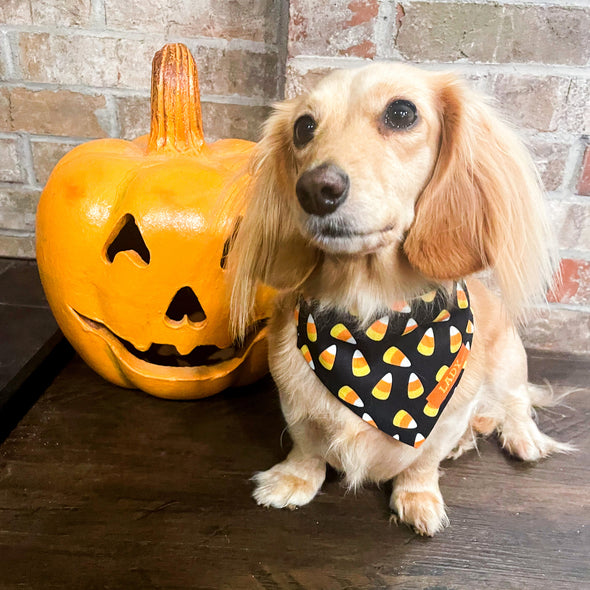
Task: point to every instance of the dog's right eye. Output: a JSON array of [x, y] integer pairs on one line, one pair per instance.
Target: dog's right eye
[[303, 130], [400, 114]]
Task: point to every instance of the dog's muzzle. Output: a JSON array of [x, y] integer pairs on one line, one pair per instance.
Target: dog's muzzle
[[323, 189]]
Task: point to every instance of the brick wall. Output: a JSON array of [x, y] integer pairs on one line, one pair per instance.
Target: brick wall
[[531, 55], [88, 76], [74, 70]]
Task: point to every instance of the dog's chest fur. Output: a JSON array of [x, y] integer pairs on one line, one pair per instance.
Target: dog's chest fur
[[342, 439]]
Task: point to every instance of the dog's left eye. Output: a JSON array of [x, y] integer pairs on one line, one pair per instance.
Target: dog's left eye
[[303, 130], [400, 114]]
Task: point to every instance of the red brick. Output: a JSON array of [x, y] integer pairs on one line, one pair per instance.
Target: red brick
[[126, 63], [219, 120], [337, 28], [550, 159], [87, 60], [232, 120], [583, 187], [301, 80], [574, 287], [572, 223], [56, 113], [494, 33], [46, 154], [67, 13], [134, 116], [17, 208], [15, 12], [253, 20], [10, 166], [573, 110], [5, 124], [245, 73], [529, 101]]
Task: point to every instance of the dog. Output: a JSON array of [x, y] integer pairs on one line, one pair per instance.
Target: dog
[[373, 200]]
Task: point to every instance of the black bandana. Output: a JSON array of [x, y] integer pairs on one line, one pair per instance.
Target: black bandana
[[399, 373]]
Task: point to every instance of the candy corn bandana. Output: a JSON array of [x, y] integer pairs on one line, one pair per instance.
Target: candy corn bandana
[[399, 373]]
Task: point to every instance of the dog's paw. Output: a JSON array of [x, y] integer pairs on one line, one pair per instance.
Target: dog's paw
[[479, 425], [527, 442], [467, 442], [423, 511], [285, 487]]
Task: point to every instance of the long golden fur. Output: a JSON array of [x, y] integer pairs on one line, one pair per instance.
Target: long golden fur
[[455, 194]]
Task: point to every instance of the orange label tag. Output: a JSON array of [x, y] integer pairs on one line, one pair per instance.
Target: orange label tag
[[438, 395]]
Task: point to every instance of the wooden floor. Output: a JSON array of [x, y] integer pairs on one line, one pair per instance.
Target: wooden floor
[[102, 487], [28, 335]]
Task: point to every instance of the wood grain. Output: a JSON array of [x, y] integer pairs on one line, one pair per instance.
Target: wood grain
[[102, 487]]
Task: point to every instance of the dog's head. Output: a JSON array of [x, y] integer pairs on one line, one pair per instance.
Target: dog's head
[[362, 148], [392, 161]]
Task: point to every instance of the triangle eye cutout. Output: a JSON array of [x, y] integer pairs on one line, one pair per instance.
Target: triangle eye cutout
[[127, 239], [186, 303]]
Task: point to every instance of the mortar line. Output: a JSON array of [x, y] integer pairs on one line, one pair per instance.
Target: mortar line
[[523, 3], [118, 34], [236, 99], [573, 254], [385, 31], [573, 165], [570, 307], [111, 111], [568, 197], [98, 15], [307, 62], [20, 185], [14, 55], [283, 47], [16, 233], [26, 156], [38, 138], [8, 57]]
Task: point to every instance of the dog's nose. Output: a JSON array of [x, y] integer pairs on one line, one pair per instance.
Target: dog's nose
[[323, 189]]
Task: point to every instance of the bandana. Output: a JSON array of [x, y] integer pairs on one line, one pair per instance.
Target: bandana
[[398, 374]]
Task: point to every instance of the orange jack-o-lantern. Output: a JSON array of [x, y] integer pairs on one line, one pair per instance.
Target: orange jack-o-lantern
[[132, 240]]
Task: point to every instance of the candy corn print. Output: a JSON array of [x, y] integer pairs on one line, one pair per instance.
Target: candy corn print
[[399, 372]]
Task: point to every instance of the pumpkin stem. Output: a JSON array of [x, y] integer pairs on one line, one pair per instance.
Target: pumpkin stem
[[176, 123]]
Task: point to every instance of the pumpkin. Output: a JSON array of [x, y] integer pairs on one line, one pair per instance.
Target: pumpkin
[[132, 245]]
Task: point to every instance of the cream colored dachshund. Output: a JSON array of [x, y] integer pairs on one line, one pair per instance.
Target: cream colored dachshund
[[373, 198]]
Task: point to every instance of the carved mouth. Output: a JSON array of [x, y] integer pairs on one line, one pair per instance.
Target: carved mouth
[[166, 355]]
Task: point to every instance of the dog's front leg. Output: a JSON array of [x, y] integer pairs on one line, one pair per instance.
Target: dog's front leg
[[416, 499], [296, 480]]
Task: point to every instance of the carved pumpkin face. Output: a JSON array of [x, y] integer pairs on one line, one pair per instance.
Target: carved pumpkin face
[[132, 241]]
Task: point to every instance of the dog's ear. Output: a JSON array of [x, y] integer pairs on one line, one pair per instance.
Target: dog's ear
[[268, 247], [483, 206]]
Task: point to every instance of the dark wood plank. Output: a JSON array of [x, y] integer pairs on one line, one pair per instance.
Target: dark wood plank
[[564, 369], [102, 487], [28, 336], [20, 284], [6, 263]]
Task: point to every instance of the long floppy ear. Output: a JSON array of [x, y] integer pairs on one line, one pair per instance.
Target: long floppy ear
[[269, 248], [483, 206]]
